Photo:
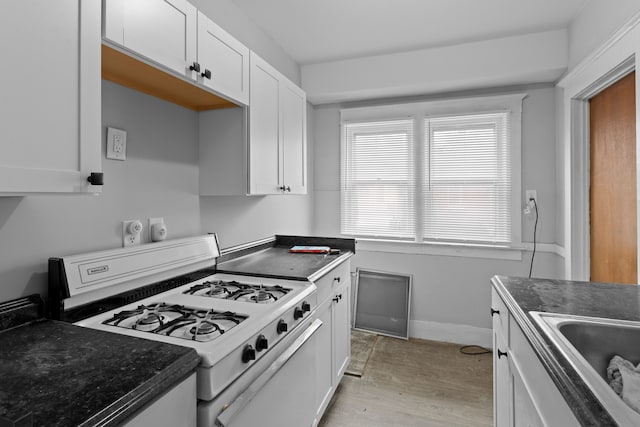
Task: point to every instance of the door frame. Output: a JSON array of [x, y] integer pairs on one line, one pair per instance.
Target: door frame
[[615, 59]]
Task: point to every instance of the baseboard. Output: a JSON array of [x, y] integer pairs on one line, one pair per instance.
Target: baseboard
[[449, 332]]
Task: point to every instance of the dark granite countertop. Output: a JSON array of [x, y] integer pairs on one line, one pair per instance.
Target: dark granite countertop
[[67, 375], [606, 300], [271, 258]]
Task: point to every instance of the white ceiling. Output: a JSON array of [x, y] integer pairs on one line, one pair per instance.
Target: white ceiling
[[313, 31]]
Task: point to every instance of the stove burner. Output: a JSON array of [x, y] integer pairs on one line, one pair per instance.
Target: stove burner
[[263, 297], [149, 321], [237, 291], [177, 321]]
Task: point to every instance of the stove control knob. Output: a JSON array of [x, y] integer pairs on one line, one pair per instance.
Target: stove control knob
[[248, 354], [262, 343], [306, 306], [297, 313], [282, 327]]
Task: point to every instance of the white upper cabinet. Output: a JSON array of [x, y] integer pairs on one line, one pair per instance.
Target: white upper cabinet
[[161, 30], [224, 61], [175, 35], [277, 144], [50, 112], [264, 129], [294, 148]]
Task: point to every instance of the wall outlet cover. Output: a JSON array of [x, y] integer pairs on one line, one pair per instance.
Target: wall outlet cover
[[116, 144], [131, 232]]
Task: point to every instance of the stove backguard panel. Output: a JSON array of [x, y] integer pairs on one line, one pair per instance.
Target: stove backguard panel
[[79, 280]]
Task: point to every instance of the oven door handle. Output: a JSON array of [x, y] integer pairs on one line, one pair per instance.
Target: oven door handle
[[230, 411]]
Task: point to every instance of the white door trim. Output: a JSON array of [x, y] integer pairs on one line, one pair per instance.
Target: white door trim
[[615, 59]]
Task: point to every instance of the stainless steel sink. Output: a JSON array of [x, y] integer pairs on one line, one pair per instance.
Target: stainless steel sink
[[589, 343]]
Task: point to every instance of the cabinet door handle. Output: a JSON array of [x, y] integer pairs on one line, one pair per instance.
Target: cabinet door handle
[[336, 299], [206, 74], [494, 311], [282, 187], [96, 178], [502, 353], [336, 279], [195, 67], [288, 189]]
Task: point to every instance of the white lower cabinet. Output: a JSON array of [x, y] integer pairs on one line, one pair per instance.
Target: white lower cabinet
[[176, 407], [334, 340], [523, 392]]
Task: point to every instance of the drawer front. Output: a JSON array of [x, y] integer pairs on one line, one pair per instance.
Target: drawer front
[[330, 281]]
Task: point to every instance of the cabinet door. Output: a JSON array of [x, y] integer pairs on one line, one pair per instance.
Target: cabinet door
[[294, 139], [341, 330], [50, 103], [161, 30], [524, 411], [502, 390], [225, 58], [324, 368], [264, 128]]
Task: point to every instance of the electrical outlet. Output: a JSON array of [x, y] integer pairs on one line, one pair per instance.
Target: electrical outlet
[[530, 194], [131, 232], [116, 144], [528, 204], [157, 229]]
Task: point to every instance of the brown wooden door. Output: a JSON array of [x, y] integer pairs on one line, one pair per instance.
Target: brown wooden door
[[613, 183]]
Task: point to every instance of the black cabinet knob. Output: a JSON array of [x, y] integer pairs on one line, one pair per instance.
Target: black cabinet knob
[[262, 343], [502, 353], [336, 299], [195, 67], [288, 189], [336, 279], [494, 311], [96, 178], [206, 74], [282, 327], [248, 354], [306, 306], [282, 188], [297, 313]]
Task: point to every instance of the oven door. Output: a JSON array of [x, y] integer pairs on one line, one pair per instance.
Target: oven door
[[278, 394]]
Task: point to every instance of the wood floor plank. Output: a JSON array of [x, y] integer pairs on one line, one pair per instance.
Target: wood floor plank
[[415, 383]]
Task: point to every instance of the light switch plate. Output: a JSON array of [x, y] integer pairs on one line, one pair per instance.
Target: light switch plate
[[116, 144]]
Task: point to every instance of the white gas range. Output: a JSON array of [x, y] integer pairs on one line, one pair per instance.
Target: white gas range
[[246, 329]]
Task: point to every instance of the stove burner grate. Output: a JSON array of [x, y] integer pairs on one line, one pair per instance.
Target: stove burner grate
[[233, 290], [177, 321]]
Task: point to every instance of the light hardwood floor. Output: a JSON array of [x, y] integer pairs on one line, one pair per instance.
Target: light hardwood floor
[[415, 383]]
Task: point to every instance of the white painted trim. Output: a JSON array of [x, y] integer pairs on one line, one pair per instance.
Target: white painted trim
[[595, 55], [452, 333], [615, 58], [456, 250]]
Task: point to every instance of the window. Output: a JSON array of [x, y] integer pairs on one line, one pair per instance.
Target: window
[[433, 172]]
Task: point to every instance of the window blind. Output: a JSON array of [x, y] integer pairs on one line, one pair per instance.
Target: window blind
[[466, 184], [377, 182]]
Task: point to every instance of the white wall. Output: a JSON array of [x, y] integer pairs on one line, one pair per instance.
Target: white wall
[[524, 59], [597, 22], [453, 291], [159, 178]]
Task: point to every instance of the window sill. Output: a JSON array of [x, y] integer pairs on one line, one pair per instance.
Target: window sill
[[440, 249]]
